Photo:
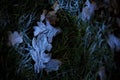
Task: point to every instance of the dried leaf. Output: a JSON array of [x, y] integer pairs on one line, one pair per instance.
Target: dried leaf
[[51, 16]]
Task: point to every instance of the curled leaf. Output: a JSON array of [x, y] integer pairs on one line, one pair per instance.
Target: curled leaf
[[55, 6], [43, 15], [15, 38], [51, 31], [113, 42], [52, 65], [88, 11], [39, 29]]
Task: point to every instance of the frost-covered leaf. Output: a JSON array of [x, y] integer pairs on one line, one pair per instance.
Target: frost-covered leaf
[[33, 54], [15, 38], [38, 52], [42, 17], [56, 6], [52, 65], [113, 42], [39, 29], [45, 57], [88, 11], [51, 31], [34, 44], [43, 43]]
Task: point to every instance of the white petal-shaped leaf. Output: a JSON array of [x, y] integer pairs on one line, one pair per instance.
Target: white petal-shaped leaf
[[88, 3], [39, 29], [52, 65], [51, 31], [45, 57], [34, 44], [42, 17], [113, 42], [88, 11], [15, 38], [33, 55], [49, 47], [36, 30], [56, 6]]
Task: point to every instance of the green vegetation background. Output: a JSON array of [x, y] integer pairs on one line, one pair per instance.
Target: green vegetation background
[[81, 48]]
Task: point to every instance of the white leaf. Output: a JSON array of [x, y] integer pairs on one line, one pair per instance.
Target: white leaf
[[34, 44], [42, 17], [88, 11], [33, 55], [43, 43], [45, 57], [88, 3], [113, 42], [15, 38], [39, 29], [56, 6], [52, 65], [51, 31]]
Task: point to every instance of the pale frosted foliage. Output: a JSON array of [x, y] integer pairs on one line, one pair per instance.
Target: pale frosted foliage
[[52, 65], [42, 17], [51, 31], [56, 6], [88, 10], [113, 42], [38, 53], [43, 43], [43, 36], [15, 38], [39, 29]]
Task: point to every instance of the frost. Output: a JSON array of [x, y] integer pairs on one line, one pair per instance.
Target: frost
[[38, 53], [51, 31], [88, 11], [113, 42], [43, 36], [52, 65], [15, 38], [39, 29], [56, 6]]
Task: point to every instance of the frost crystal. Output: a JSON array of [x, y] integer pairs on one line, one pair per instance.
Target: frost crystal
[[15, 38], [88, 11], [43, 35], [113, 42], [52, 65]]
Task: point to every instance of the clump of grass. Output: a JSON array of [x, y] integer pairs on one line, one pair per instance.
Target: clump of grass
[[81, 46]]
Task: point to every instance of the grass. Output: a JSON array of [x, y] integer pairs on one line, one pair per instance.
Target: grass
[[81, 46]]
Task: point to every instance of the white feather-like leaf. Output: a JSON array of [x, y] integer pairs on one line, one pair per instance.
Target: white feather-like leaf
[[51, 31], [15, 38], [52, 65]]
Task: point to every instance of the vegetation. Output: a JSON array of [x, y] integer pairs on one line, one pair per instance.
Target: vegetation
[[81, 46]]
